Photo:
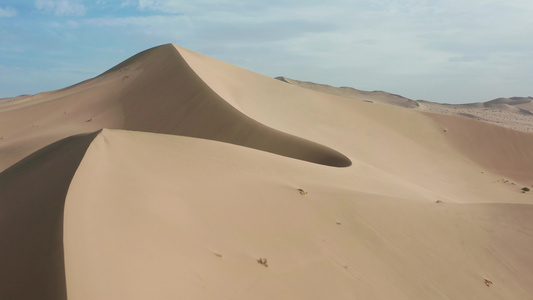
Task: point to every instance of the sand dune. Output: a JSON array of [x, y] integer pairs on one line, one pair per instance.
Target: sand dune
[[204, 170]]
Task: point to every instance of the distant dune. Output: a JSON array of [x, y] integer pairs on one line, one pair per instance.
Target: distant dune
[[373, 96], [174, 175], [12, 99], [515, 113]]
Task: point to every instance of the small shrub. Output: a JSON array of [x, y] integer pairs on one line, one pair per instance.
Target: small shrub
[[263, 261], [488, 282], [525, 189]]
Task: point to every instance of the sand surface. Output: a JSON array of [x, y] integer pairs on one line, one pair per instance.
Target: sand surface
[[211, 181]]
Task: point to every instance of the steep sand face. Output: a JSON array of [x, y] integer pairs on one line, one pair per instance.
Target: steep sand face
[[154, 91], [171, 98], [32, 197], [156, 216], [405, 143]]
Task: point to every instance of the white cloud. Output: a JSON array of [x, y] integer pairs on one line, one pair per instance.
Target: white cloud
[[126, 3], [157, 21], [7, 12], [419, 48], [198, 6], [162, 6], [61, 7]]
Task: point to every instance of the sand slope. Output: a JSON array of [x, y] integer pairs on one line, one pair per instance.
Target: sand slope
[[191, 218], [205, 167], [510, 154]]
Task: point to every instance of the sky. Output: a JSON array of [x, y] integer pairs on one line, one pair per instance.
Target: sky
[[448, 51]]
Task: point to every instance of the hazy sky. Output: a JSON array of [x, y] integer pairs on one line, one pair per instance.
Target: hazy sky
[[439, 50]]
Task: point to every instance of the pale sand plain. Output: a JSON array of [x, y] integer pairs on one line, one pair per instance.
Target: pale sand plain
[[205, 170], [515, 112]]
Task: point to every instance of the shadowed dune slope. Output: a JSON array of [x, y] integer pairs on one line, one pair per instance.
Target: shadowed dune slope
[[178, 102], [153, 91], [32, 198]]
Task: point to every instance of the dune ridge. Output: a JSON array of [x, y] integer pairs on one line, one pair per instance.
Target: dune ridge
[[191, 108], [153, 91]]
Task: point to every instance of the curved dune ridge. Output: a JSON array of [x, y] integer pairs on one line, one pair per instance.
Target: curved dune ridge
[[190, 108], [196, 179], [154, 91]]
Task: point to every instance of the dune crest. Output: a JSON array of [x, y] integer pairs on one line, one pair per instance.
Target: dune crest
[[153, 91], [171, 98]]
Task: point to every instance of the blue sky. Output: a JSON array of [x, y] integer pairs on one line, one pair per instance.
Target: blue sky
[[439, 50]]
